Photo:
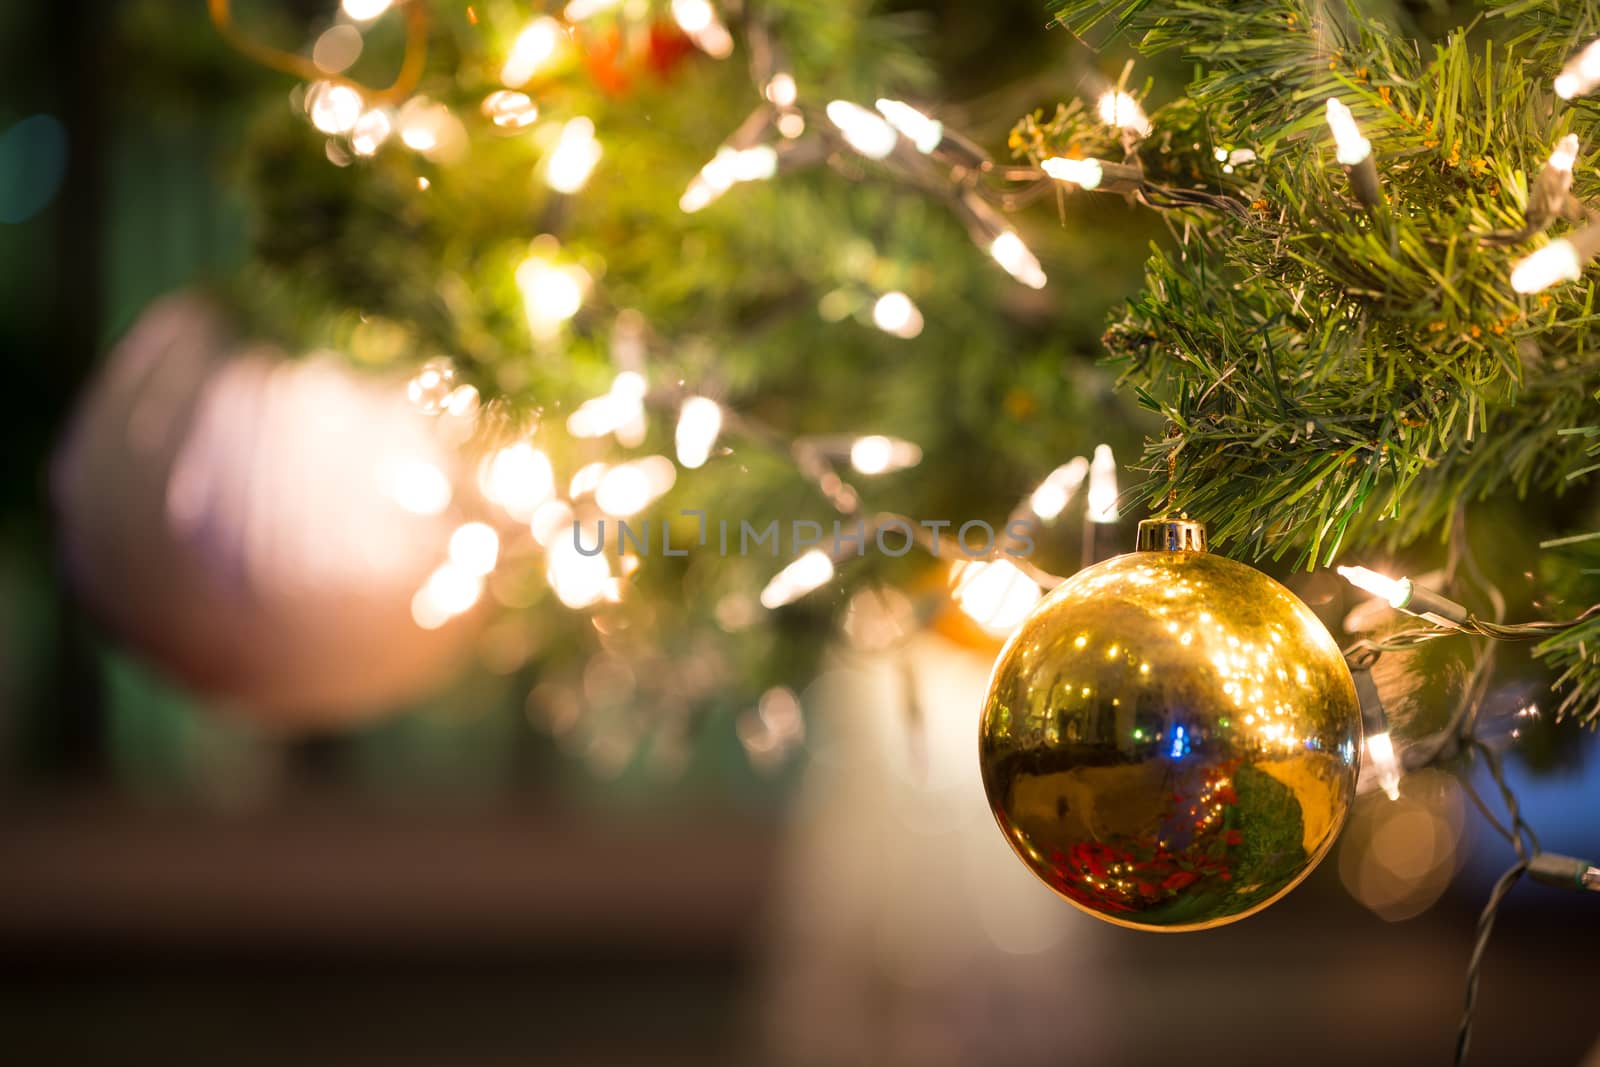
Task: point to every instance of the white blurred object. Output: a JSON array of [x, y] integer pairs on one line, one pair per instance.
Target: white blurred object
[[233, 515], [902, 918], [1103, 485]]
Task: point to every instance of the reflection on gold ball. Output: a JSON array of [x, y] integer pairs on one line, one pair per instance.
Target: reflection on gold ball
[[1171, 740]]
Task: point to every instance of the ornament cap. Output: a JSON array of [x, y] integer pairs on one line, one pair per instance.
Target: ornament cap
[[1171, 535]]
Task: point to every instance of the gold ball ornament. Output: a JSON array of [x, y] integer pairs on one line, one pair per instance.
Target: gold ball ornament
[[1171, 739]]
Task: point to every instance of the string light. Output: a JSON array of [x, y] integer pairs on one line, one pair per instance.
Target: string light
[[1350, 148], [699, 22], [418, 487], [1407, 597], [699, 423], [550, 520], [509, 109], [578, 10], [551, 293], [923, 132], [333, 108], [1103, 486], [431, 129], [534, 48], [629, 488], [579, 581], [475, 547], [995, 594], [450, 590], [1016, 260], [370, 131], [574, 157], [620, 406], [518, 478], [895, 313], [364, 10], [876, 454], [1380, 750], [865, 131], [809, 571], [1057, 490], [727, 168], [1565, 153], [431, 385], [1121, 110], [781, 89], [336, 48], [1557, 261], [1580, 74], [1085, 173], [1375, 726], [587, 479], [791, 124]]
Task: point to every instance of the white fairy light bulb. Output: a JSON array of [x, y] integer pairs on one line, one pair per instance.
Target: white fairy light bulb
[[699, 423], [1395, 590], [551, 293], [791, 124], [431, 385], [475, 548], [453, 589], [895, 313], [431, 129], [995, 594], [364, 10], [370, 131], [1084, 173], [781, 89], [518, 478], [1350, 148], [509, 109], [621, 405], [699, 22], [629, 488], [876, 454], [533, 49], [1580, 74], [923, 132], [1016, 260], [1121, 110], [863, 130], [1557, 261], [1103, 486], [572, 161], [417, 486], [1056, 491], [578, 10], [1565, 153], [579, 581], [809, 571], [1380, 749], [333, 108], [336, 48]]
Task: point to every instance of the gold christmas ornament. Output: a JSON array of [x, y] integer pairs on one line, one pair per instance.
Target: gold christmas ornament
[[1171, 739]]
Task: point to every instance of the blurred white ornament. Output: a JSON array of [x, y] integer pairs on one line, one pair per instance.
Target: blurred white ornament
[[257, 526]]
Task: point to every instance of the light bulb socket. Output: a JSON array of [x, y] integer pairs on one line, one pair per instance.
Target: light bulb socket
[[1564, 872], [1439, 610], [1364, 183], [1171, 535]]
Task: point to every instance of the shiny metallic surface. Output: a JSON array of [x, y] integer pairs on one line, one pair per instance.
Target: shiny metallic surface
[[1171, 535], [1171, 740]]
